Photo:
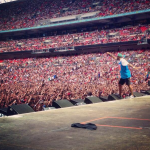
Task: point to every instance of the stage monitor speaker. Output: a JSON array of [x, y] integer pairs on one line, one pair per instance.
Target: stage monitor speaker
[[113, 97], [62, 103], [137, 94], [3, 111], [19, 109], [146, 92], [92, 99], [104, 98], [77, 102]]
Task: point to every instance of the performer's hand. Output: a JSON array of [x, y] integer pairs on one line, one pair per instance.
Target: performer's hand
[[136, 68], [108, 53]]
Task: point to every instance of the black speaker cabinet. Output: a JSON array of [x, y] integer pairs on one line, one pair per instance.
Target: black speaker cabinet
[[113, 97], [62, 103], [19, 109], [4, 111], [104, 98], [77, 101], [146, 92], [137, 94], [92, 99]]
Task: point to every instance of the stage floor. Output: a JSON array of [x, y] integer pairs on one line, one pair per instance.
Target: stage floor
[[121, 125]]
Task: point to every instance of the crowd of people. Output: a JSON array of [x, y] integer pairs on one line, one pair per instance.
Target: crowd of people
[[39, 82], [129, 33], [28, 13]]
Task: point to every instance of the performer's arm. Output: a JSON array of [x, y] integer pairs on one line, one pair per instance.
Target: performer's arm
[[113, 56], [133, 66]]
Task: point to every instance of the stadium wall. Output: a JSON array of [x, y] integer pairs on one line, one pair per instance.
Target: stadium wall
[[121, 46]]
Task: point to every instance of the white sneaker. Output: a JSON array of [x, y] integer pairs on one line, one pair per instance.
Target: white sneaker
[[131, 96], [128, 97]]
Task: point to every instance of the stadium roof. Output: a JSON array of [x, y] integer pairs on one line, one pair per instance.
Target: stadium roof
[[6, 1]]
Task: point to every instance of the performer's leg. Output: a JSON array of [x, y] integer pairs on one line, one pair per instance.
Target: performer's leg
[[120, 89], [120, 84], [128, 83], [131, 89]]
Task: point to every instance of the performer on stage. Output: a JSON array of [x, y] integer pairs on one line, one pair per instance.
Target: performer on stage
[[125, 73]]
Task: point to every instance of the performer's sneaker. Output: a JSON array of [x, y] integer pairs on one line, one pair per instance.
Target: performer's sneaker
[[131, 96]]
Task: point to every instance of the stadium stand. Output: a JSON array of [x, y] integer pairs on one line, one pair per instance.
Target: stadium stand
[[132, 33], [34, 13]]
